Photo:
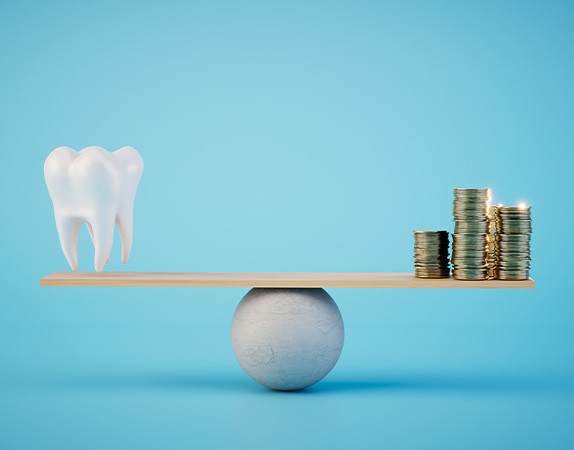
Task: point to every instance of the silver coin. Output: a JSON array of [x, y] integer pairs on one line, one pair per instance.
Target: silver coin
[[514, 209], [466, 276], [431, 232], [470, 246], [510, 257], [433, 276], [513, 237], [512, 274], [470, 227], [502, 263], [514, 229], [512, 248]]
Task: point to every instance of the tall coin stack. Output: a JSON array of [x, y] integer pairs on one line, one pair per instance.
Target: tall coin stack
[[491, 260], [431, 254], [469, 245], [513, 242]]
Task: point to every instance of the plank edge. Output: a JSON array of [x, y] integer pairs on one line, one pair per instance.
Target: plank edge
[[270, 280]]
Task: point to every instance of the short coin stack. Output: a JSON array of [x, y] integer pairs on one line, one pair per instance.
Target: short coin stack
[[491, 260], [431, 254], [469, 245], [513, 242]]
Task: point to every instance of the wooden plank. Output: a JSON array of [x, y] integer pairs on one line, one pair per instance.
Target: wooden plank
[[270, 280]]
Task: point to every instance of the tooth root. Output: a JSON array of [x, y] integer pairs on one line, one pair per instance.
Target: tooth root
[[91, 231], [125, 222], [103, 231], [68, 230]]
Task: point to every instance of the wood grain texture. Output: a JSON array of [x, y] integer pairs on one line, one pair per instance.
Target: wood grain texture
[[270, 280]]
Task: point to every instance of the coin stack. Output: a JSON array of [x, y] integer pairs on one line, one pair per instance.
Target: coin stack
[[469, 245], [431, 254], [513, 242], [491, 260]]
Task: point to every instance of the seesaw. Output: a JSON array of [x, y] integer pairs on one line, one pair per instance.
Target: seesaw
[[287, 332]]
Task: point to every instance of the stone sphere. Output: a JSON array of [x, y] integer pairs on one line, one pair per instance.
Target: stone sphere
[[285, 338]]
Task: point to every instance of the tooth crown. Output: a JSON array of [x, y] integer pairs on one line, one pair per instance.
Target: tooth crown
[[98, 188]]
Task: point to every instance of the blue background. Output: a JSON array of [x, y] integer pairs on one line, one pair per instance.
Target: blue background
[[288, 136]]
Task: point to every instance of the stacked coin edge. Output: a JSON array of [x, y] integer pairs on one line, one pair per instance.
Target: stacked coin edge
[[514, 229], [469, 243], [431, 253]]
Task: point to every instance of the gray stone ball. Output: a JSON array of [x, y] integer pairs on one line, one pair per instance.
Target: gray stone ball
[[286, 338]]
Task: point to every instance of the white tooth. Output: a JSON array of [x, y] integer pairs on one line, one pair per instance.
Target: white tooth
[[98, 188]]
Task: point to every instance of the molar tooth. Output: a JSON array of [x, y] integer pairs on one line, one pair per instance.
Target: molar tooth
[[98, 188]]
